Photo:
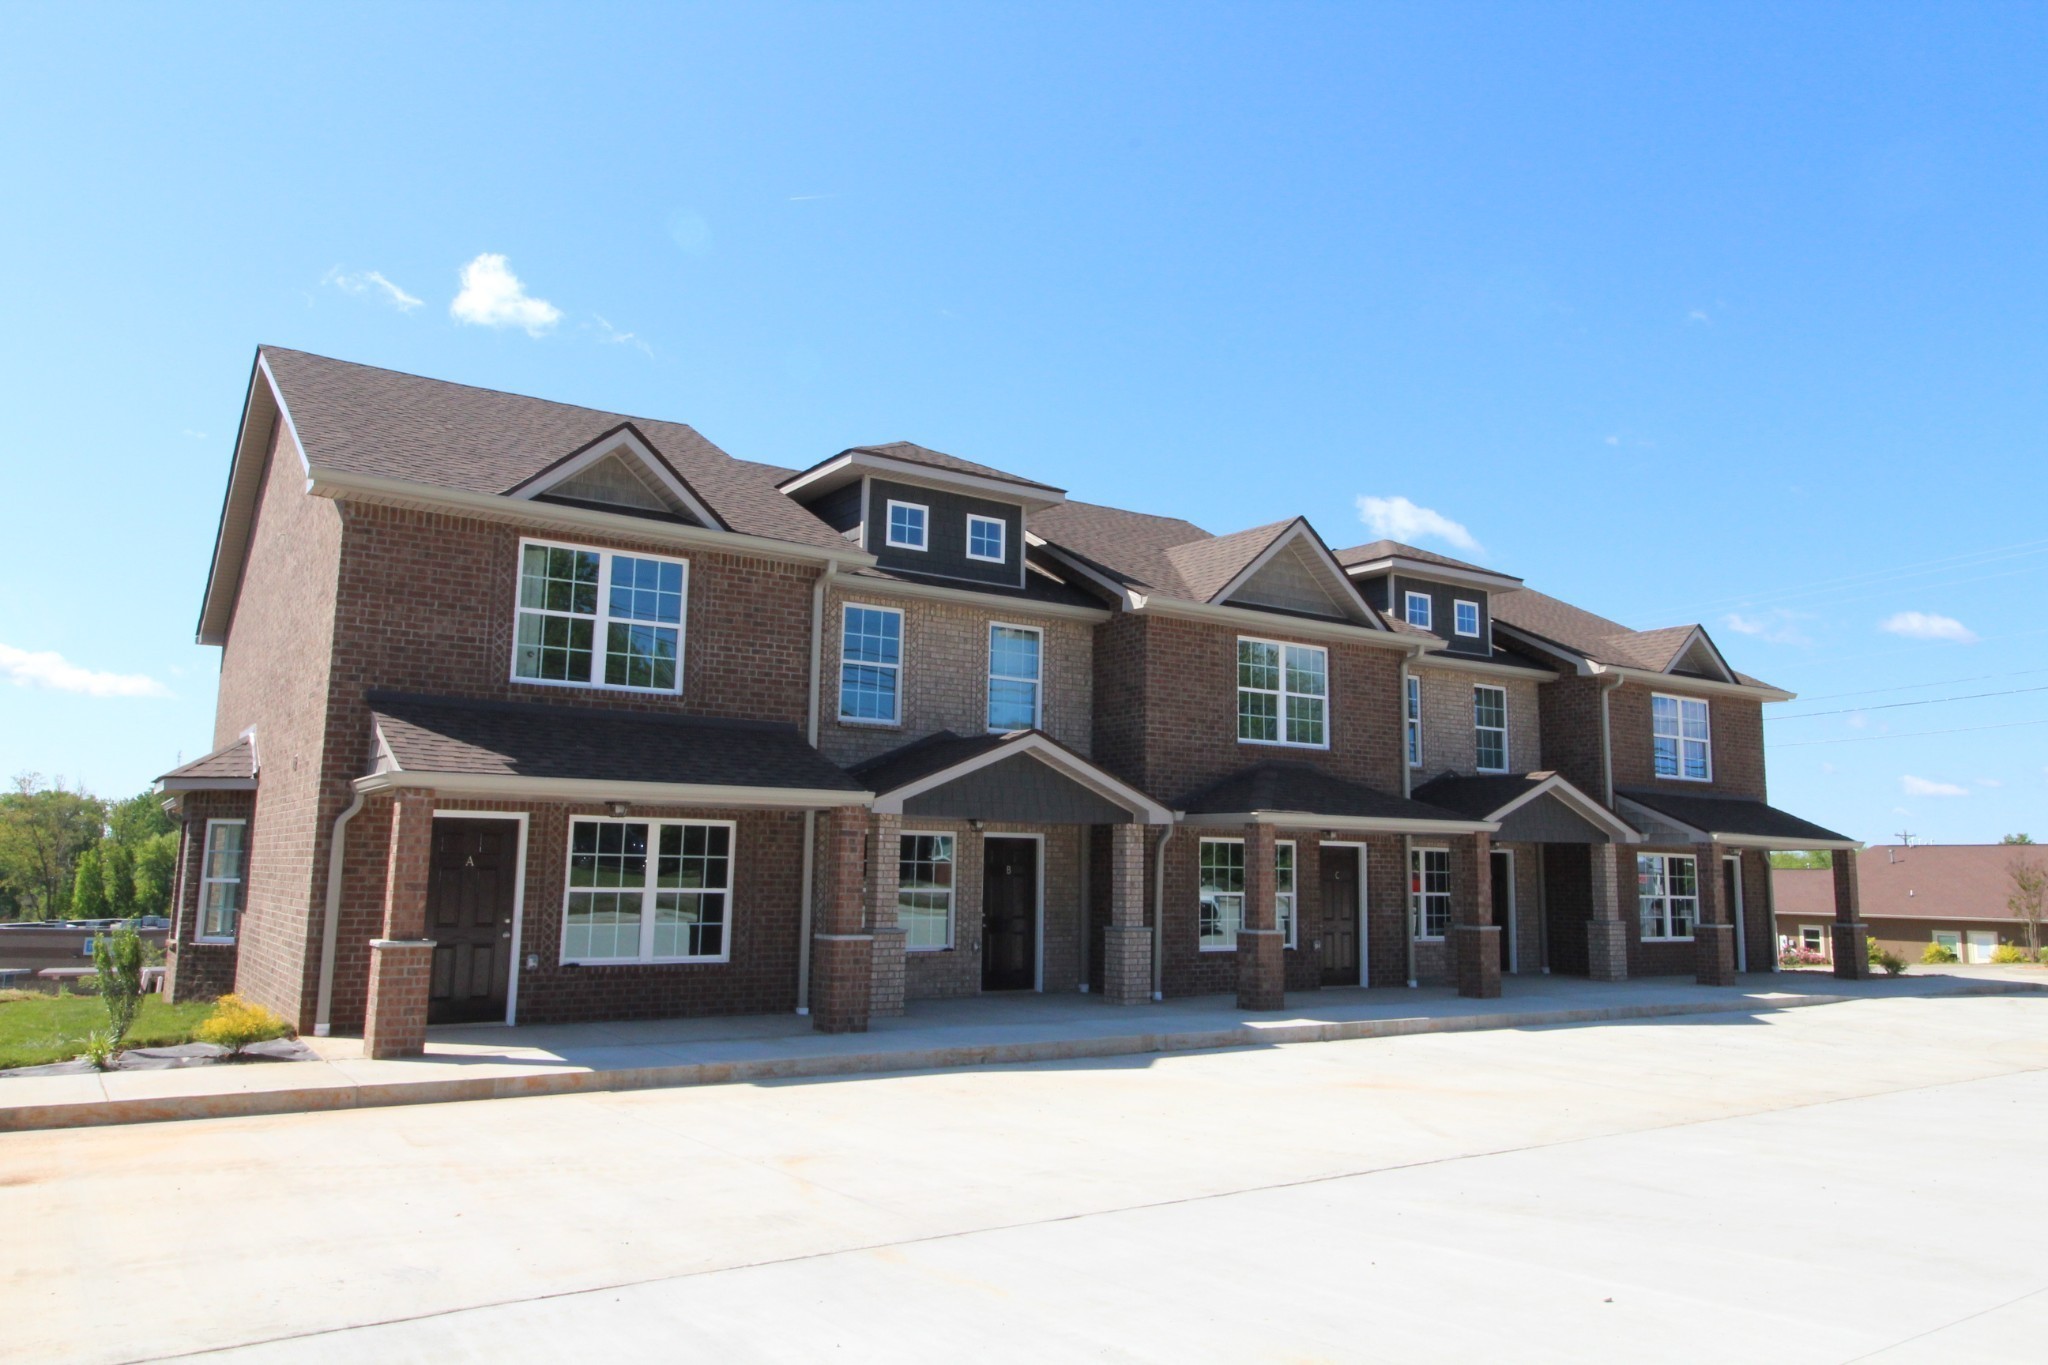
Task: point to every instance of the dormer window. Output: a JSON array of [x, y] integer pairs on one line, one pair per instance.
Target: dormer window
[[907, 525], [1468, 619], [985, 539], [1415, 608]]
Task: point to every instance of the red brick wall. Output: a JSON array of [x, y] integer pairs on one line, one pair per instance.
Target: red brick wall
[[1737, 728], [200, 971]]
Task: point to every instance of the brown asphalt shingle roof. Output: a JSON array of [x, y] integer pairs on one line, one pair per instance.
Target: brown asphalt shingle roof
[[912, 453], [1388, 549], [1205, 566], [1731, 815], [1931, 881], [1129, 547], [1283, 786], [236, 761]]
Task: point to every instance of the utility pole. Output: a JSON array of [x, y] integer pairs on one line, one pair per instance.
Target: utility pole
[[1905, 837]]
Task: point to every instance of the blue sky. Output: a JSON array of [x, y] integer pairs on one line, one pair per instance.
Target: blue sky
[[1682, 313]]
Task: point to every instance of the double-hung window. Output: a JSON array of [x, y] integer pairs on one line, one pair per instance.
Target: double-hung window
[[924, 892], [1015, 661], [1222, 893], [871, 665], [1429, 892], [1467, 622], [221, 873], [1282, 694], [1490, 728], [1416, 609], [648, 891], [1667, 894], [907, 524], [1414, 721], [595, 618], [1681, 738], [985, 539], [1283, 889]]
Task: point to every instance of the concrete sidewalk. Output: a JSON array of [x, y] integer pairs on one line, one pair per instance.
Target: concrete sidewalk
[[495, 1062]]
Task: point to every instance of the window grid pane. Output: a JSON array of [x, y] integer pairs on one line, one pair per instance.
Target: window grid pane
[[220, 878], [906, 526], [1222, 892], [924, 891], [1490, 721], [1414, 722], [1429, 892], [1013, 669], [871, 647], [1276, 682], [642, 891], [566, 595], [984, 538]]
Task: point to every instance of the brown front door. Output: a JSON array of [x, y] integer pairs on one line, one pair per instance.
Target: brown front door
[[1009, 914], [469, 917], [1340, 916], [1504, 904]]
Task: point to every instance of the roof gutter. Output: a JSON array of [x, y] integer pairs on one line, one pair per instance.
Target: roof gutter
[[1365, 824], [492, 786], [1271, 622]]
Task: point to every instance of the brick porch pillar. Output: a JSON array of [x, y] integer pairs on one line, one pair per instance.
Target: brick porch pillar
[[1475, 938], [1127, 944], [885, 846], [1261, 952], [402, 961], [1606, 935], [841, 947], [1852, 953], [1713, 935]]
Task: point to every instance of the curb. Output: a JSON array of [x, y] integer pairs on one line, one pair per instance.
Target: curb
[[370, 1095]]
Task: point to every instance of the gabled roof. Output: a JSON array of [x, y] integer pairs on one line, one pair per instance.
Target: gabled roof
[[924, 764], [907, 459], [1497, 796], [1283, 793], [1380, 555], [1925, 881], [1559, 628], [232, 767], [635, 468], [1740, 822]]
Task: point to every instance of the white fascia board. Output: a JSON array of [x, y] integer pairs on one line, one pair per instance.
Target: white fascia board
[[969, 597], [1369, 824], [1045, 751], [1442, 573], [376, 488], [1299, 529], [828, 476], [1439, 658], [629, 440], [512, 787], [1679, 682], [1275, 623], [1584, 806]]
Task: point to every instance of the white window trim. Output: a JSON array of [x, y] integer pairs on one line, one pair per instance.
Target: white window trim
[[647, 892], [242, 882], [1668, 859], [1002, 555], [1417, 921], [1412, 722], [1282, 694], [889, 526], [1683, 702], [1408, 601], [1294, 897], [1038, 683], [601, 622], [1477, 616], [839, 683], [952, 892], [1231, 946], [1820, 937], [1507, 757]]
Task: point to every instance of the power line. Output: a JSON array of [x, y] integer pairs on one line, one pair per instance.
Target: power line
[[1911, 734], [1939, 682], [1969, 559], [1894, 705]]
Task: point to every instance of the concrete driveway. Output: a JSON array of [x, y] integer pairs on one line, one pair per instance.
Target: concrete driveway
[[1844, 1182]]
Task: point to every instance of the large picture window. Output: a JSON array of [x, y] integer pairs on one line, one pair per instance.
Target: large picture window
[[1667, 894], [222, 870], [594, 618], [1015, 661], [1429, 892], [924, 891], [648, 891], [1222, 893], [1682, 738], [871, 665], [1282, 694], [1490, 728]]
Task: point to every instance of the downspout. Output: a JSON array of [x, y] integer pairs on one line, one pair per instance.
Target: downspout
[[1407, 769], [330, 926], [1606, 742], [1159, 915], [804, 911]]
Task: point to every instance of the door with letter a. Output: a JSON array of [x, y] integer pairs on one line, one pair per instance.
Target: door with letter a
[[469, 917]]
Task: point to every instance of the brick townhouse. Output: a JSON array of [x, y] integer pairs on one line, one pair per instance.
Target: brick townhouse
[[530, 712]]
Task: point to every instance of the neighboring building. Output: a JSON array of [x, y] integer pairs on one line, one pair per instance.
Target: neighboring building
[[533, 712], [1951, 894]]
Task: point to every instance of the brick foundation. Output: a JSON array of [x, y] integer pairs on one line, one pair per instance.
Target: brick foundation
[[1606, 950], [1714, 954], [1261, 969], [400, 971], [1476, 948], [1127, 964]]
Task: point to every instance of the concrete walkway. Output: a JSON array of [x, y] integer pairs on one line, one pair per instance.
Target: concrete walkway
[[495, 1062]]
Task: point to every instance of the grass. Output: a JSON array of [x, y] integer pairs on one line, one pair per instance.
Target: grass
[[37, 1028]]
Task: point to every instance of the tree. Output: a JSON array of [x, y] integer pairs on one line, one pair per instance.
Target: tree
[[2029, 897], [117, 875], [2017, 839], [156, 869], [138, 819], [117, 963], [42, 832], [1816, 859], [89, 886]]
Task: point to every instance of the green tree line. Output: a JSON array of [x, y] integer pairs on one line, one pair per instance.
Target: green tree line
[[66, 854]]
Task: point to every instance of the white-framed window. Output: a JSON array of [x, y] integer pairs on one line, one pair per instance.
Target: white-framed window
[[1467, 622], [1429, 892], [648, 891], [1682, 738], [1282, 694], [222, 869], [908, 522], [1415, 608], [1490, 728], [870, 665], [599, 618], [1814, 938], [1016, 657], [985, 538], [1222, 893], [924, 891], [1283, 888], [1667, 895], [1414, 721]]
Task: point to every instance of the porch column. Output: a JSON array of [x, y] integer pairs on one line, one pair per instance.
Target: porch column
[[841, 947], [1606, 935], [402, 961], [1713, 934], [885, 992], [1127, 945], [1852, 954], [1261, 952], [1475, 938]]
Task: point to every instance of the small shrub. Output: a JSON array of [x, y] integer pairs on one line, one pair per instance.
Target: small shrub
[[1873, 952], [2042, 957], [2008, 953], [117, 964], [1937, 954], [235, 1023], [100, 1046], [1802, 957], [1892, 963]]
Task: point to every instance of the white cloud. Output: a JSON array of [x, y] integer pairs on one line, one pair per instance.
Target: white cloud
[[365, 280], [1989, 782], [1779, 625], [47, 668], [1925, 625], [1400, 519], [1920, 786], [613, 336], [492, 296], [1699, 316]]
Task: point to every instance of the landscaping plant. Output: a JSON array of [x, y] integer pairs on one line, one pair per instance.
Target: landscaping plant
[[117, 961], [2009, 953], [235, 1023], [1937, 954], [1892, 963]]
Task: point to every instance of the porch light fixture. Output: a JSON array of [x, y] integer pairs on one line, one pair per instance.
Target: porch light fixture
[[619, 810], [974, 825]]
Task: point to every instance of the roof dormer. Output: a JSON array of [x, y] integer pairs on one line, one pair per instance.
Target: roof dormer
[[620, 471]]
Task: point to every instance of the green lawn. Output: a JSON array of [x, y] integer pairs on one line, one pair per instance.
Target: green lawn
[[37, 1028]]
